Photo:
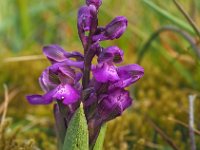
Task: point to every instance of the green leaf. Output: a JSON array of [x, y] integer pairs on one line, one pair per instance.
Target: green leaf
[[77, 133], [169, 16], [100, 140]]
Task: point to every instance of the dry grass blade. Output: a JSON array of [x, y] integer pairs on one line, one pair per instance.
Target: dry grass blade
[[153, 145], [5, 105], [24, 58], [184, 125], [189, 19], [163, 135], [191, 121], [12, 94]]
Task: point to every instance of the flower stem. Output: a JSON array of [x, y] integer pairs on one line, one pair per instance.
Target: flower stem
[[88, 55]]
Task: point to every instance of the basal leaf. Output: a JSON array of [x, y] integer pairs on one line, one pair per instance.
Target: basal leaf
[[100, 140], [77, 133]]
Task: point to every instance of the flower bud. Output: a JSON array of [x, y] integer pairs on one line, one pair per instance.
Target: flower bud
[[96, 3], [86, 15], [114, 104], [116, 28], [113, 30]]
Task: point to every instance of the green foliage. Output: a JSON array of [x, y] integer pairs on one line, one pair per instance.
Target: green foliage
[[167, 15], [100, 140], [77, 137]]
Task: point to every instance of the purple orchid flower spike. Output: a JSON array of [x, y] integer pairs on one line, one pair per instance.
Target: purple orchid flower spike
[[102, 91]]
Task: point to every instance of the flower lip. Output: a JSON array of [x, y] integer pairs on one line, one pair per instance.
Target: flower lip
[[66, 93]]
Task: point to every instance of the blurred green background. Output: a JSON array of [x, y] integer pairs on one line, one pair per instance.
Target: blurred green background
[[172, 71]]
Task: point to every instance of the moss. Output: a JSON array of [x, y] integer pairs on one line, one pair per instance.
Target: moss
[[9, 138]]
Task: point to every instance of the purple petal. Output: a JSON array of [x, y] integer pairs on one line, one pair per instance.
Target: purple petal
[[123, 83], [128, 75], [66, 93], [111, 54], [105, 72], [78, 64], [55, 53], [66, 70], [64, 73], [133, 70], [39, 99], [46, 81], [76, 55], [65, 67]]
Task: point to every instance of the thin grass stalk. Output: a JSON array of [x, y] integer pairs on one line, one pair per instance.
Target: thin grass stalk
[[12, 94], [197, 132], [174, 29], [5, 105], [163, 134], [186, 15], [169, 16], [193, 9], [24, 58], [191, 121]]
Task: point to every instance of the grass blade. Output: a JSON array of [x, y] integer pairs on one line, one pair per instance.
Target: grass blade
[[169, 16]]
